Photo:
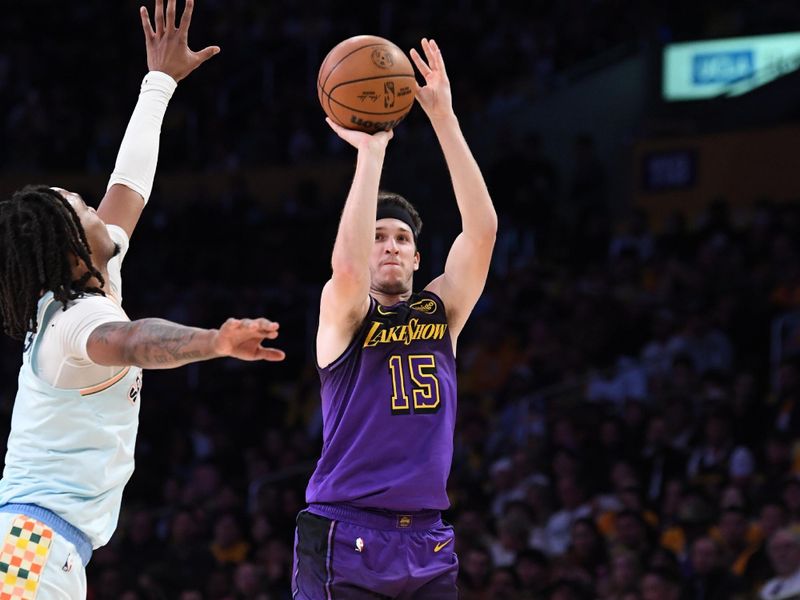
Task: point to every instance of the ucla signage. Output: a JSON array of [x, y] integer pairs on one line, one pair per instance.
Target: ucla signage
[[727, 67]]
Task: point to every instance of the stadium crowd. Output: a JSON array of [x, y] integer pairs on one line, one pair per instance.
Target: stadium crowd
[[627, 429]]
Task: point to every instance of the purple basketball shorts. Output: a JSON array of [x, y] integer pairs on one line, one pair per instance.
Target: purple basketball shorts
[[346, 553]]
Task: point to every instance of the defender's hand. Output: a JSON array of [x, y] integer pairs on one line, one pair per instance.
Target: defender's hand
[[241, 338], [435, 98], [168, 47]]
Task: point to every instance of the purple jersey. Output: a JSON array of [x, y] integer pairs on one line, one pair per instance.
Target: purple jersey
[[389, 411]]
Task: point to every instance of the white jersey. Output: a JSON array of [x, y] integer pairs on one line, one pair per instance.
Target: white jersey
[[71, 446]]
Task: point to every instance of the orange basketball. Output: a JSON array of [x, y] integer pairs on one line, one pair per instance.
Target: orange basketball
[[366, 83]]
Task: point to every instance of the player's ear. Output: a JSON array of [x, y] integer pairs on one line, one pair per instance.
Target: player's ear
[[416, 260]]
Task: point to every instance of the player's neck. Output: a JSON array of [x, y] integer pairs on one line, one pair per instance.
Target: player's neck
[[389, 299], [93, 282]]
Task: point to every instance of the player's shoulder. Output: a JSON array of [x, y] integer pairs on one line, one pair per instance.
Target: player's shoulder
[[119, 237], [89, 304], [117, 233], [426, 301]]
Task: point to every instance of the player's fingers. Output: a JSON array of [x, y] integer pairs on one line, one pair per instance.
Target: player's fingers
[[170, 22], [186, 17], [258, 327], [272, 354], [437, 56], [158, 16], [423, 68], [267, 325], [207, 53], [231, 324], [428, 50], [147, 27], [336, 127]]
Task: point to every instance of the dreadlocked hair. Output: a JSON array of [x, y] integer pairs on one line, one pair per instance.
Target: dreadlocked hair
[[39, 230]]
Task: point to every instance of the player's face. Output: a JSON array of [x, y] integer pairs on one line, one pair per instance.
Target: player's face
[[394, 257], [100, 242]]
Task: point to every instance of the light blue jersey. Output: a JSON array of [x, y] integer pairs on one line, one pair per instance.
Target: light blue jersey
[[70, 451]]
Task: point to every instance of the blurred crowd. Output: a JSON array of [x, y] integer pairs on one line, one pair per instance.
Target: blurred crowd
[[66, 83], [629, 417], [623, 426]]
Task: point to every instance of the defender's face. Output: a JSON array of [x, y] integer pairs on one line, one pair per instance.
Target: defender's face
[[394, 257], [100, 242]]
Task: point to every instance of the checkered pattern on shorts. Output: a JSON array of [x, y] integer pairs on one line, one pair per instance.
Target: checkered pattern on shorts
[[22, 558]]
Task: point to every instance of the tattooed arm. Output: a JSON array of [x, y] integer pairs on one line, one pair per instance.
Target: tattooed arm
[[160, 344]]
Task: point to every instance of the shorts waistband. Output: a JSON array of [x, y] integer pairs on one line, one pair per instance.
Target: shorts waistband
[[63, 528], [379, 519]]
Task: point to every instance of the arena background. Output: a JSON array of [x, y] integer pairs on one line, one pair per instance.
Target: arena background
[[629, 380]]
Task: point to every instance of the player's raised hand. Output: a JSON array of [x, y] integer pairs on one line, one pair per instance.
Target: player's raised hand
[[167, 45], [242, 338], [374, 141], [435, 97]]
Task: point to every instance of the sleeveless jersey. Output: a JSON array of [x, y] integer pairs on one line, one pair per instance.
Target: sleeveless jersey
[[389, 411], [71, 451]]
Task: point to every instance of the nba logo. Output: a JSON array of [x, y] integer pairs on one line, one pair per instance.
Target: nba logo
[[388, 94]]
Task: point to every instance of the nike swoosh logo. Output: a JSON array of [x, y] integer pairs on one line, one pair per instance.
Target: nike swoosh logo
[[441, 545], [385, 313]]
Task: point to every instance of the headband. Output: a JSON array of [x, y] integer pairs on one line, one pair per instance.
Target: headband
[[393, 211]]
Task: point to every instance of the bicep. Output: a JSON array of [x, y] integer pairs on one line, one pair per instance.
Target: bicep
[[80, 324], [107, 344], [121, 206]]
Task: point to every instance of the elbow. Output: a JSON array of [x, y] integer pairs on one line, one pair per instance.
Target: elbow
[[127, 344], [485, 233], [491, 225]]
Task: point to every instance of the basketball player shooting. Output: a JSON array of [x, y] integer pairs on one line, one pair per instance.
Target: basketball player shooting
[[75, 417], [386, 360]]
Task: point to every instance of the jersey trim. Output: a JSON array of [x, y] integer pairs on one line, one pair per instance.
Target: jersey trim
[[104, 385]]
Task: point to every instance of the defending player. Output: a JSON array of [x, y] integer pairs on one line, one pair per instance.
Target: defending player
[[386, 359], [75, 418]]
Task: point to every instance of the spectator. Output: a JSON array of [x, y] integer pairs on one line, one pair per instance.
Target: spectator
[[660, 584], [229, 544], [574, 505], [759, 569], [710, 579], [533, 572], [784, 553], [475, 574]]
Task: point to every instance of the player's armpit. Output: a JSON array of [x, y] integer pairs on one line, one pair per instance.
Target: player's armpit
[[121, 206]]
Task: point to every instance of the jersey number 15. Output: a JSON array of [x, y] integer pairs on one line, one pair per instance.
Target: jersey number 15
[[417, 375]]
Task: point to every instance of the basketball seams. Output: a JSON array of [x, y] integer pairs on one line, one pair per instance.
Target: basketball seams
[[331, 112], [341, 83], [348, 109], [364, 112], [343, 58]]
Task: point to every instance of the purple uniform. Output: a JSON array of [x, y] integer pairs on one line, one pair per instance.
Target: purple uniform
[[373, 527], [389, 410]]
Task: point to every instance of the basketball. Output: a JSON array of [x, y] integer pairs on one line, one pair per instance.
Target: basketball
[[366, 83]]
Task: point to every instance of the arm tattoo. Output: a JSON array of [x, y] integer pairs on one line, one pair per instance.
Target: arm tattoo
[[156, 343]]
